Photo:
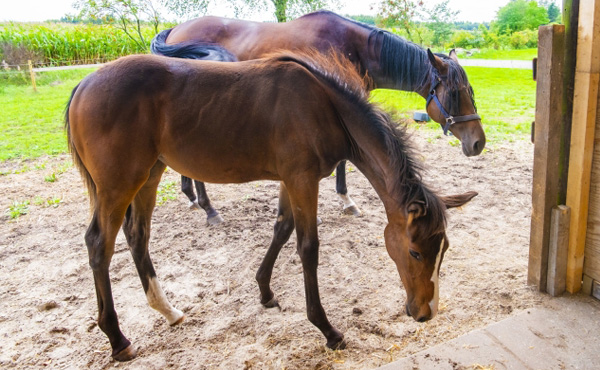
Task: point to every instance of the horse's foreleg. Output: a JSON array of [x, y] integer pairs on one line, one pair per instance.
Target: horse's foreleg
[[137, 231], [212, 217], [282, 231], [100, 241], [350, 207], [304, 207]]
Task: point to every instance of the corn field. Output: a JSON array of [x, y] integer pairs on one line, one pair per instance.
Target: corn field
[[57, 44]]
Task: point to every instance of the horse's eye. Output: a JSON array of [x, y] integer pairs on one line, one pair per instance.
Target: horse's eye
[[415, 255]]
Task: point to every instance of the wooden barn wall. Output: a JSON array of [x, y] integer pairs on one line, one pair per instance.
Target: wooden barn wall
[[591, 264]]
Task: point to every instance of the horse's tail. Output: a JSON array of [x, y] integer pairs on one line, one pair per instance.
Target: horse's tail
[[85, 175], [189, 49]]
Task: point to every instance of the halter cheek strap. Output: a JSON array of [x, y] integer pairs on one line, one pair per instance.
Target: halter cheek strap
[[450, 120]]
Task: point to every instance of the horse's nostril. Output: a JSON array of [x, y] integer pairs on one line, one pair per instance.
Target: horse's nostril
[[476, 147], [422, 319]]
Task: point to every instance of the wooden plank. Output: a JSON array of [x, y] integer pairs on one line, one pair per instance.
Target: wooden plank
[[596, 289], [582, 136], [557, 255], [586, 287], [547, 136], [591, 262]]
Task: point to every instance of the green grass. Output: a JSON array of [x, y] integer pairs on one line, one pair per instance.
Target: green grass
[[32, 123], [505, 99], [517, 54]]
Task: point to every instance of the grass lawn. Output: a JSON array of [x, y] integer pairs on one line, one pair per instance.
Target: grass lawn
[[505, 99], [31, 124], [517, 54]]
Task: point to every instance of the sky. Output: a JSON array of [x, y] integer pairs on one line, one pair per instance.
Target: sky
[[40, 10]]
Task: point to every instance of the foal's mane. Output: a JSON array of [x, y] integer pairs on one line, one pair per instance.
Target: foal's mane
[[341, 75]]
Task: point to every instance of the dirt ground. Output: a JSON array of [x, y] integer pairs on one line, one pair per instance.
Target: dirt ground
[[48, 304]]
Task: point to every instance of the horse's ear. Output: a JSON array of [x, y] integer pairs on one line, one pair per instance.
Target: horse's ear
[[435, 61], [416, 210], [453, 201], [453, 55]]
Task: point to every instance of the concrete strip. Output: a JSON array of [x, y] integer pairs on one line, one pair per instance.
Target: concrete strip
[[564, 336]]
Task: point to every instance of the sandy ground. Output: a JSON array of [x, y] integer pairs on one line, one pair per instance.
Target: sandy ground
[[48, 303]]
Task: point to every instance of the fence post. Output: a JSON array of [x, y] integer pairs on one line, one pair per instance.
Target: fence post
[[32, 74], [548, 129]]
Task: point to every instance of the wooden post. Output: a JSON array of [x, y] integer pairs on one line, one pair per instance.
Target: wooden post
[[548, 130], [32, 74], [557, 255], [585, 101]]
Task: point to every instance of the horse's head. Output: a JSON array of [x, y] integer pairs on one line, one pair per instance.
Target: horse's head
[[450, 102], [417, 246]]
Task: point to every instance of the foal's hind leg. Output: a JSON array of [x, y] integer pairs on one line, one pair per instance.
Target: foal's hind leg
[[100, 241], [283, 229], [137, 231], [350, 207]]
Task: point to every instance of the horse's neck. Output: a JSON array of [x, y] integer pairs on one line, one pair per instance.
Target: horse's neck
[[394, 63]]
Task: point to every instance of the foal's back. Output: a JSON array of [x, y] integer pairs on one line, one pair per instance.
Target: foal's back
[[253, 115]]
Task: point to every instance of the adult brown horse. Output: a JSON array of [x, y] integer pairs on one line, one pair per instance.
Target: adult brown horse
[[390, 61], [286, 118]]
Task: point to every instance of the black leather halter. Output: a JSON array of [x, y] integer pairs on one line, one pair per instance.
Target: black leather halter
[[450, 120]]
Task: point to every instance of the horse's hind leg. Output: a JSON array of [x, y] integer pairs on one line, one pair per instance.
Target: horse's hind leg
[[212, 217], [283, 229], [188, 189], [137, 231], [350, 207]]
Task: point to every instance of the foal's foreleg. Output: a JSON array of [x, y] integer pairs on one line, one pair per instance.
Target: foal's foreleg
[[304, 206], [137, 231], [350, 207], [282, 231]]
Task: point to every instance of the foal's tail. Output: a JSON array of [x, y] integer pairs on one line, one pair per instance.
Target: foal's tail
[[87, 178], [189, 49]]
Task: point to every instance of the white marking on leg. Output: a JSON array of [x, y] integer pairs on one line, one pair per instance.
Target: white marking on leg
[[158, 300], [347, 201], [435, 277]]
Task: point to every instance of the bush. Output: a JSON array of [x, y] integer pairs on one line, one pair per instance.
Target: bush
[[524, 39], [467, 40]]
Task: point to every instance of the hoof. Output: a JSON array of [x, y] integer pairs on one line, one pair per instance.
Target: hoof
[[194, 205], [337, 344], [214, 220], [178, 321], [127, 354], [352, 211], [272, 303]]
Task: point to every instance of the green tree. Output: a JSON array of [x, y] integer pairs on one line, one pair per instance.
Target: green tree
[[519, 15], [554, 13], [126, 15], [400, 13], [284, 10], [440, 18]]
